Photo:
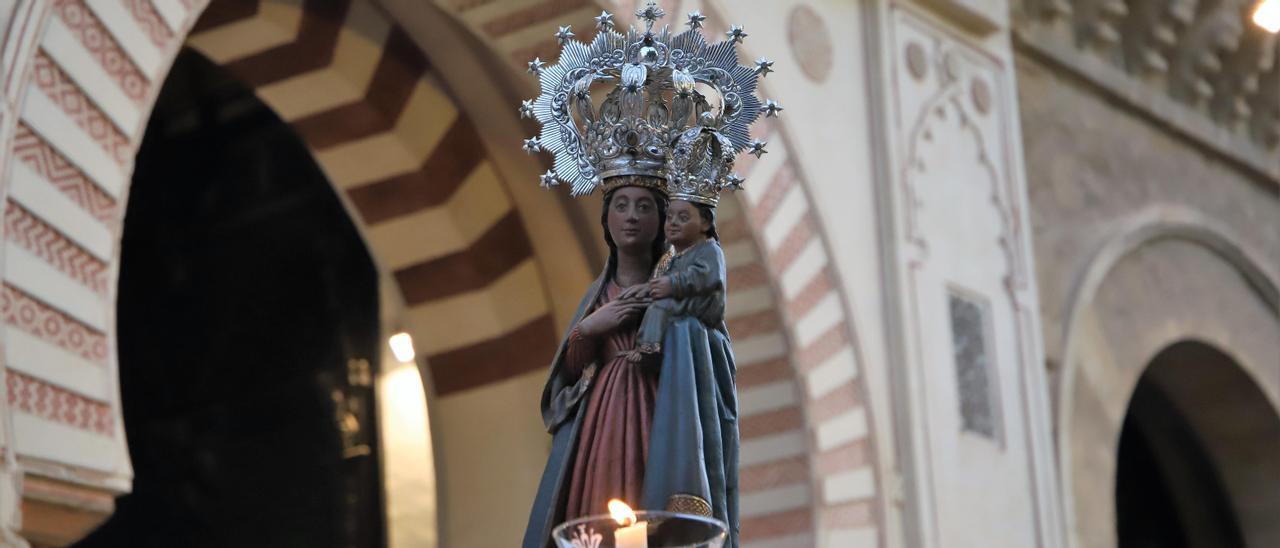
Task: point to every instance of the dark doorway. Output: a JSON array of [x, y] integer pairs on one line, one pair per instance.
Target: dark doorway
[[1170, 491], [247, 317]]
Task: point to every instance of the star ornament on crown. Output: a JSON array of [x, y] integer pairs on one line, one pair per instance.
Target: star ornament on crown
[[675, 109]]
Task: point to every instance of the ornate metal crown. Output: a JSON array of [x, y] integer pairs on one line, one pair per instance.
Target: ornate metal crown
[[657, 121]]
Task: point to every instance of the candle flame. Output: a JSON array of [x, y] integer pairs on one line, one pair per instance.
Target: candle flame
[[402, 346], [622, 513]]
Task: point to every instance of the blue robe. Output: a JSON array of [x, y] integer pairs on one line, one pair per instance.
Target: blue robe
[[693, 444]]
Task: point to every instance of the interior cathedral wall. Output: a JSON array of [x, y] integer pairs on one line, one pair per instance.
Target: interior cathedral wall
[[806, 242], [77, 99]]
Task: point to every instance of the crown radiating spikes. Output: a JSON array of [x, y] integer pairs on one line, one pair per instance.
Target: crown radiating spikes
[[672, 107]]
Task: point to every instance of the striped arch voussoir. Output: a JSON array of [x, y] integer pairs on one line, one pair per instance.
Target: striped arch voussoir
[[408, 162]]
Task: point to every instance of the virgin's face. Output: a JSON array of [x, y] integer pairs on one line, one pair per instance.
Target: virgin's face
[[633, 218]]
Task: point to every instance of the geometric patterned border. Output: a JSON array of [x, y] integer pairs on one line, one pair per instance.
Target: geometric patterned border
[[24, 312], [37, 397]]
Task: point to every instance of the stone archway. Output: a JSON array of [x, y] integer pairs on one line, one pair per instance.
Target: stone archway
[[1198, 455], [1166, 286], [383, 126], [246, 323], [815, 463]]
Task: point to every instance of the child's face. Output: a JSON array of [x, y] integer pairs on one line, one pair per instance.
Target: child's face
[[685, 225]]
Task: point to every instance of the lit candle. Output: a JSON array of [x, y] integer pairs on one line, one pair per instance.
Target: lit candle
[[632, 534], [402, 347]]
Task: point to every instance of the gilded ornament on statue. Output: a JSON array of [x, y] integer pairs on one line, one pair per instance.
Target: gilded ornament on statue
[[689, 504]]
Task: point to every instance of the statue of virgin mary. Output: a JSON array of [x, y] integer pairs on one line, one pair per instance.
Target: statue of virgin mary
[[659, 433]]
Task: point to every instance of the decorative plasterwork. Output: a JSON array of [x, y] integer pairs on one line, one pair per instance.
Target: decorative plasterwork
[[1197, 65], [957, 117], [810, 41], [959, 228]]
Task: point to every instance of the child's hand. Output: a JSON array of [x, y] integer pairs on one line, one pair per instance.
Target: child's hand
[[638, 292], [660, 288]]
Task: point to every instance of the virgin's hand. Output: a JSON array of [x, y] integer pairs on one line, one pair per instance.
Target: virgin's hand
[[610, 317]]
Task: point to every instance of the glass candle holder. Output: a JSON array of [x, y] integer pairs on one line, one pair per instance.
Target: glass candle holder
[[652, 529]]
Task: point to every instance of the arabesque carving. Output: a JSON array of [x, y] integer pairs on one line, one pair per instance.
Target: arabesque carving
[[1202, 55]]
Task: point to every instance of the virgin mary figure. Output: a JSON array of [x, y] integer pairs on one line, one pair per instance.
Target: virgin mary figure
[[659, 433], [600, 407]]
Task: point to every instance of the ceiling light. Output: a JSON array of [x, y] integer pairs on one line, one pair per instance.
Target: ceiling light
[[1267, 15]]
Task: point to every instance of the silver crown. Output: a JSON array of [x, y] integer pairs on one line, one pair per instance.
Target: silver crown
[[656, 121]]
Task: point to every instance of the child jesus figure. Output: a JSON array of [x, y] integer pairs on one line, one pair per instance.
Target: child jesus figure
[[689, 281]]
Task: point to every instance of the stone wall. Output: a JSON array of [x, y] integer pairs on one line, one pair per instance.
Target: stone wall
[[1093, 167], [1142, 239]]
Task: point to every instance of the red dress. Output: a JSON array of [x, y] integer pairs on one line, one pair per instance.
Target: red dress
[[614, 440]]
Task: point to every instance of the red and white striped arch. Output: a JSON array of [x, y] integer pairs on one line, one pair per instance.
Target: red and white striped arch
[[439, 217]]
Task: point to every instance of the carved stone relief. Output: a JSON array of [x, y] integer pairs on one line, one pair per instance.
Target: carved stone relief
[[951, 93], [1198, 64]]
